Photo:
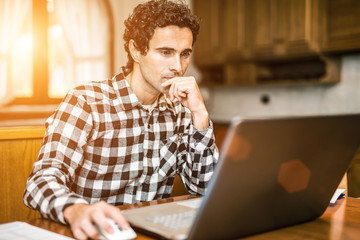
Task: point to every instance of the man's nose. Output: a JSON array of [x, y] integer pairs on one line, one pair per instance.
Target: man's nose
[[176, 65]]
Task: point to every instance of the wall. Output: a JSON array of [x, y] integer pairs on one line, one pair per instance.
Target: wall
[[343, 97], [121, 11]]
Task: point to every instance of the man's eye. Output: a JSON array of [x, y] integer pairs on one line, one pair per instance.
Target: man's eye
[[166, 52], [185, 54]]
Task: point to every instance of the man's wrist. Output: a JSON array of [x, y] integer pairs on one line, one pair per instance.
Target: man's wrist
[[201, 120], [72, 210]]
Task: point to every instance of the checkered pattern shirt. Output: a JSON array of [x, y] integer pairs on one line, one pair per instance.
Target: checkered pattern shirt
[[103, 144]]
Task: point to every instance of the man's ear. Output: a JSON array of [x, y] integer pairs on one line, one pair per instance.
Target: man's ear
[[135, 53]]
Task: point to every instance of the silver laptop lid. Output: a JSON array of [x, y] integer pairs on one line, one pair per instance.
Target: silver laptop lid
[[274, 173]]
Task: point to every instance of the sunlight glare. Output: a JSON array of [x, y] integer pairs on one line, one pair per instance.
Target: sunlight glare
[[24, 43], [56, 31], [21, 55]]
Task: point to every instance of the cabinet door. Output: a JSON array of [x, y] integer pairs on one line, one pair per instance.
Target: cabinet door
[[261, 21], [299, 24], [209, 42], [282, 28], [343, 25], [236, 39]]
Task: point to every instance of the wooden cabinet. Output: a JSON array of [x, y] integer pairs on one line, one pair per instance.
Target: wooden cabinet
[[235, 38], [342, 28], [255, 41], [209, 45], [259, 29], [262, 27], [303, 23], [283, 28]]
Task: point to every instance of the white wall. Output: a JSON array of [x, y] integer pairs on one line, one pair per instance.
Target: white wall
[[121, 11], [343, 97]]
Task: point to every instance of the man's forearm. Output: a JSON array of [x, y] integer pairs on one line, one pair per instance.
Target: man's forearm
[[52, 199], [201, 119]]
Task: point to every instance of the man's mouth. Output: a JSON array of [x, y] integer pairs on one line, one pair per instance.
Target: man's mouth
[[168, 75], [166, 78]]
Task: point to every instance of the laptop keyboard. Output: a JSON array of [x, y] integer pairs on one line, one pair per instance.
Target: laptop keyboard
[[176, 220]]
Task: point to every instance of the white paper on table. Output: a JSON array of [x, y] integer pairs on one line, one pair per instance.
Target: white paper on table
[[336, 195], [22, 231]]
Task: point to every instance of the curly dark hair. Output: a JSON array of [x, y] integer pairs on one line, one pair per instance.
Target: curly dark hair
[[146, 17]]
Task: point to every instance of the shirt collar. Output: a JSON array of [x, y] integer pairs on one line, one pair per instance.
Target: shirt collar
[[127, 98]]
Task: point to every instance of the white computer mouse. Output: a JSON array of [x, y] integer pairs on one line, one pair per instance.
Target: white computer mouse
[[118, 234]]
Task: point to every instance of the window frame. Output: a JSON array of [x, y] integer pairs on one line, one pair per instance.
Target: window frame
[[40, 55]]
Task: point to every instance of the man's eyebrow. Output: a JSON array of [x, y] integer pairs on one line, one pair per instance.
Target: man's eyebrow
[[187, 50], [165, 48], [173, 49]]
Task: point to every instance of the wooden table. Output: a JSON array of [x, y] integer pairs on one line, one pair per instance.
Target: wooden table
[[341, 221]]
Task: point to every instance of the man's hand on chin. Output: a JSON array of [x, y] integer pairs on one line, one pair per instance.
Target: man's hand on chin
[[186, 90], [81, 218]]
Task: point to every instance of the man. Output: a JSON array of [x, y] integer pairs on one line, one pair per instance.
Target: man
[[121, 141]]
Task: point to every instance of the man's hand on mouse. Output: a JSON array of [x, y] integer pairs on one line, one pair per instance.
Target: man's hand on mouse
[[82, 217]]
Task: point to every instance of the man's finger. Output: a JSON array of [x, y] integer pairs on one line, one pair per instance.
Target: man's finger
[[183, 94], [180, 92], [167, 83], [172, 91], [119, 219], [88, 228], [101, 221], [79, 234]]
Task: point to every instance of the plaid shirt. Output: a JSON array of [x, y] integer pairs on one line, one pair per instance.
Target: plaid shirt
[[103, 144]]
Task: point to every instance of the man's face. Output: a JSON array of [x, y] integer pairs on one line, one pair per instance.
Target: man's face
[[168, 56]]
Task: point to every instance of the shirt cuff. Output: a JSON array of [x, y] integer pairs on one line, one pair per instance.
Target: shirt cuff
[[63, 202], [202, 139]]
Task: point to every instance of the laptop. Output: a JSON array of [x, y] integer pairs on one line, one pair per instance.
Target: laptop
[[272, 173]]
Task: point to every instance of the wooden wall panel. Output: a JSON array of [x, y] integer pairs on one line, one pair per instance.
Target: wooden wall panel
[[19, 148]]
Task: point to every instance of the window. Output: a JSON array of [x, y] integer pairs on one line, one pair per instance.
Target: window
[[52, 46]]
